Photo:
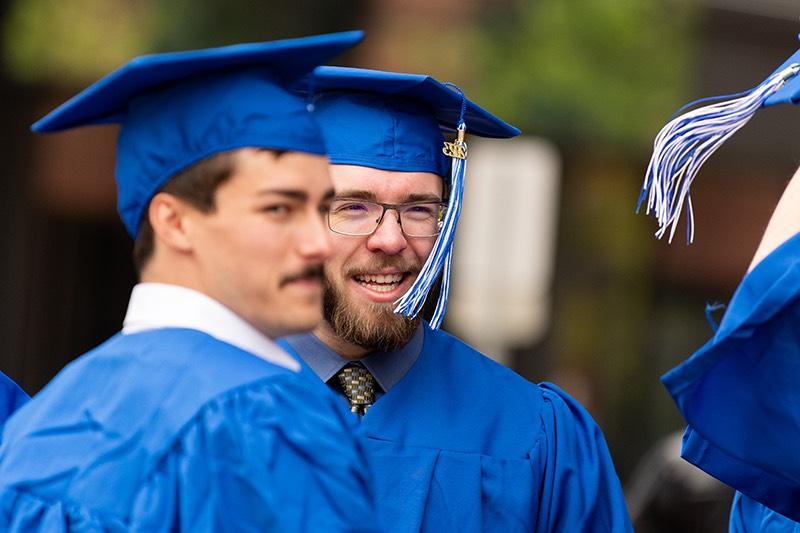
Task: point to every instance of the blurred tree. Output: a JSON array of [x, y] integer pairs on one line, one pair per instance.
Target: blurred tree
[[181, 24], [599, 78], [71, 42], [587, 69]]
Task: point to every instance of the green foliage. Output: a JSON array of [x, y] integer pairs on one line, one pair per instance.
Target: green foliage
[[589, 70], [182, 24], [77, 41], [72, 41]]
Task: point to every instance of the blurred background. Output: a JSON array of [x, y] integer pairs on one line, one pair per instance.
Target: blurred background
[[556, 275]]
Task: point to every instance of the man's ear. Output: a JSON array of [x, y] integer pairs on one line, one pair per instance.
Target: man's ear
[[168, 217]]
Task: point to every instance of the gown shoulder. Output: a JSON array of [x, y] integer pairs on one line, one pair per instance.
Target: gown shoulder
[[205, 450]]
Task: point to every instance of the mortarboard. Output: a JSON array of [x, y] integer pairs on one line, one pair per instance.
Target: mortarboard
[[395, 121], [176, 109], [687, 141]]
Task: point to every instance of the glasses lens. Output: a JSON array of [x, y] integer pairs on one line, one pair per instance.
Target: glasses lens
[[422, 219], [354, 217]]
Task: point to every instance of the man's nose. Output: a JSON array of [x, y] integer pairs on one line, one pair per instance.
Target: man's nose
[[316, 243], [388, 237]]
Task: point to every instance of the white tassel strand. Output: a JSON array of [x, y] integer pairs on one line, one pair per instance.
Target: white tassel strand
[[686, 142]]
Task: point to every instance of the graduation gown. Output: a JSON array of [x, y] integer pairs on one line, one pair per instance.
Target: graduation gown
[[464, 444], [740, 393], [12, 397], [174, 430], [749, 516]]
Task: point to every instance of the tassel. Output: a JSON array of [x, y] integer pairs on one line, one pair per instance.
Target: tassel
[[444, 293], [686, 142], [441, 257]]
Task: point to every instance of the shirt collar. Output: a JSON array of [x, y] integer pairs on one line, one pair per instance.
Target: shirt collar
[[161, 305], [388, 368]]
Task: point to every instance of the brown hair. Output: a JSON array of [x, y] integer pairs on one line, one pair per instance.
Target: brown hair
[[196, 185]]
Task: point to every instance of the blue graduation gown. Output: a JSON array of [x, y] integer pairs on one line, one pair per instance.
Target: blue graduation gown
[[173, 430], [749, 516], [12, 397], [740, 393], [464, 444]]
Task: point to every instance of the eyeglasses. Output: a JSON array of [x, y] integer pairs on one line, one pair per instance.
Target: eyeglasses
[[351, 216]]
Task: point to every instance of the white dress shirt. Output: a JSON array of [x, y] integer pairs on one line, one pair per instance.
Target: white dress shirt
[[161, 305]]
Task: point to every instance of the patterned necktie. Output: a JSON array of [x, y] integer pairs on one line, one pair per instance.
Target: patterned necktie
[[359, 387]]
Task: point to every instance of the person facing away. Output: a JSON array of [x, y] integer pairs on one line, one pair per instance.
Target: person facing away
[[739, 392], [191, 418], [457, 442]]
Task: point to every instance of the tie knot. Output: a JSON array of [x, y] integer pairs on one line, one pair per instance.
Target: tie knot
[[359, 387]]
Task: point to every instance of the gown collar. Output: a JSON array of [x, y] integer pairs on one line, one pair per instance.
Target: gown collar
[[388, 368], [161, 305]]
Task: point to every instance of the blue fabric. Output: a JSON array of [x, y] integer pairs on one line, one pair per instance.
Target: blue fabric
[[749, 516], [789, 93], [12, 397], [391, 120], [176, 109], [173, 430], [442, 101], [463, 444], [370, 130], [739, 392]]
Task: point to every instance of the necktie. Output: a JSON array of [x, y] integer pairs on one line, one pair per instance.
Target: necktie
[[359, 387]]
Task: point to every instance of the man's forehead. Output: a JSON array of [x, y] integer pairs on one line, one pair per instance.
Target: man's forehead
[[263, 172], [384, 185]]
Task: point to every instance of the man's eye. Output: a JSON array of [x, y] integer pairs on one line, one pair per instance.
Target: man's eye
[[350, 208], [421, 212], [276, 209]]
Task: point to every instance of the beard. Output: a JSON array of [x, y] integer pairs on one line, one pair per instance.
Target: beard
[[370, 325]]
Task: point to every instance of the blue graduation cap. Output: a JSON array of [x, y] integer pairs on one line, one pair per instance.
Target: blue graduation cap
[[395, 121], [687, 141], [176, 109]]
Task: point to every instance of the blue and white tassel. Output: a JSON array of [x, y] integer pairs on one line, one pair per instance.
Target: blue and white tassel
[[686, 142], [441, 257]]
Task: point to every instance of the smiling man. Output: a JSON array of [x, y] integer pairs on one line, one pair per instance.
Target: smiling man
[[457, 442], [367, 275], [192, 419]]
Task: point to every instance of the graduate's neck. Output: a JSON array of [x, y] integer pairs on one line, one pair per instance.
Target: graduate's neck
[[161, 270], [345, 349]]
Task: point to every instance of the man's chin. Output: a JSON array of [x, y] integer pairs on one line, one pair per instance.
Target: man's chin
[[370, 325]]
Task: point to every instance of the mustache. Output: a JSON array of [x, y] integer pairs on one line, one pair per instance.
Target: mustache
[[309, 272], [383, 262]]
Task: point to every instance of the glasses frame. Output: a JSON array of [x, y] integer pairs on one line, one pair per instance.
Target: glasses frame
[[397, 208]]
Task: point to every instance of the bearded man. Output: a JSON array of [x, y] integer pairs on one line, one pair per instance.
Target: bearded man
[[457, 442]]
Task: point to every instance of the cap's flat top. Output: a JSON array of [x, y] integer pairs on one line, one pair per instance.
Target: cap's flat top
[[442, 99], [106, 100]]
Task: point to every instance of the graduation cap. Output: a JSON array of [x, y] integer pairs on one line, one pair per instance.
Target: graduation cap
[[395, 121], [176, 109], [687, 141]]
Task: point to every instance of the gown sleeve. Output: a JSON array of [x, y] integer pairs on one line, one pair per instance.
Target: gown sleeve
[[267, 457], [580, 489], [747, 515], [739, 393]]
